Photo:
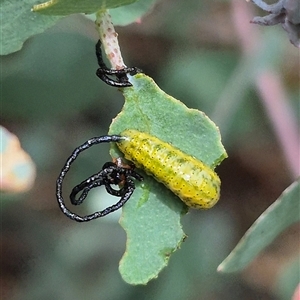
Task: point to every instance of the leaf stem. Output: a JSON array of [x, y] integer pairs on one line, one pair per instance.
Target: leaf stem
[[109, 39]]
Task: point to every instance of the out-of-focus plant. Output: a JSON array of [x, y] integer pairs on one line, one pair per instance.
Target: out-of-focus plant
[[279, 215], [284, 12]]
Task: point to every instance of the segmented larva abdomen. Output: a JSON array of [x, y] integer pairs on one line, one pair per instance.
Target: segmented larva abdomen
[[189, 178]]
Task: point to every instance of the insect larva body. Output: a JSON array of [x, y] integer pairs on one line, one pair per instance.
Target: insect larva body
[[190, 179]]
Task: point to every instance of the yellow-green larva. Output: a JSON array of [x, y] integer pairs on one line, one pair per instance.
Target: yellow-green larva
[[190, 179]]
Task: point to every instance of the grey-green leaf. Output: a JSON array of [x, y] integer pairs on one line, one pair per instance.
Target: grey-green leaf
[[19, 23], [280, 215], [151, 218], [67, 7]]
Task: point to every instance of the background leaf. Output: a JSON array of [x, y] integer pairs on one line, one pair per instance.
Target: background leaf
[[18, 23], [152, 216], [280, 215], [53, 101], [67, 7]]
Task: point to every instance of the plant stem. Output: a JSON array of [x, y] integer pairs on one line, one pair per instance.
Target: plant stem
[[109, 39]]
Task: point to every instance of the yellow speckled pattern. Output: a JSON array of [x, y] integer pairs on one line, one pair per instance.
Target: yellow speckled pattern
[[189, 178]]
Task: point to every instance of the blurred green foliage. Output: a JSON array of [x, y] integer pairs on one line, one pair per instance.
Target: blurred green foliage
[[53, 101], [68, 7], [279, 216]]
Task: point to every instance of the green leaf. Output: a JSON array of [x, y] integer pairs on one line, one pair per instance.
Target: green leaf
[[67, 7], [151, 218], [19, 23], [280, 215]]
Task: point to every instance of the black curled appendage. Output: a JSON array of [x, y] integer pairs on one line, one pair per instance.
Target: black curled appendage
[[111, 174], [103, 72]]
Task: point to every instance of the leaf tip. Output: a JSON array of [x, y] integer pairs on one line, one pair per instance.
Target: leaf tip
[[220, 268]]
